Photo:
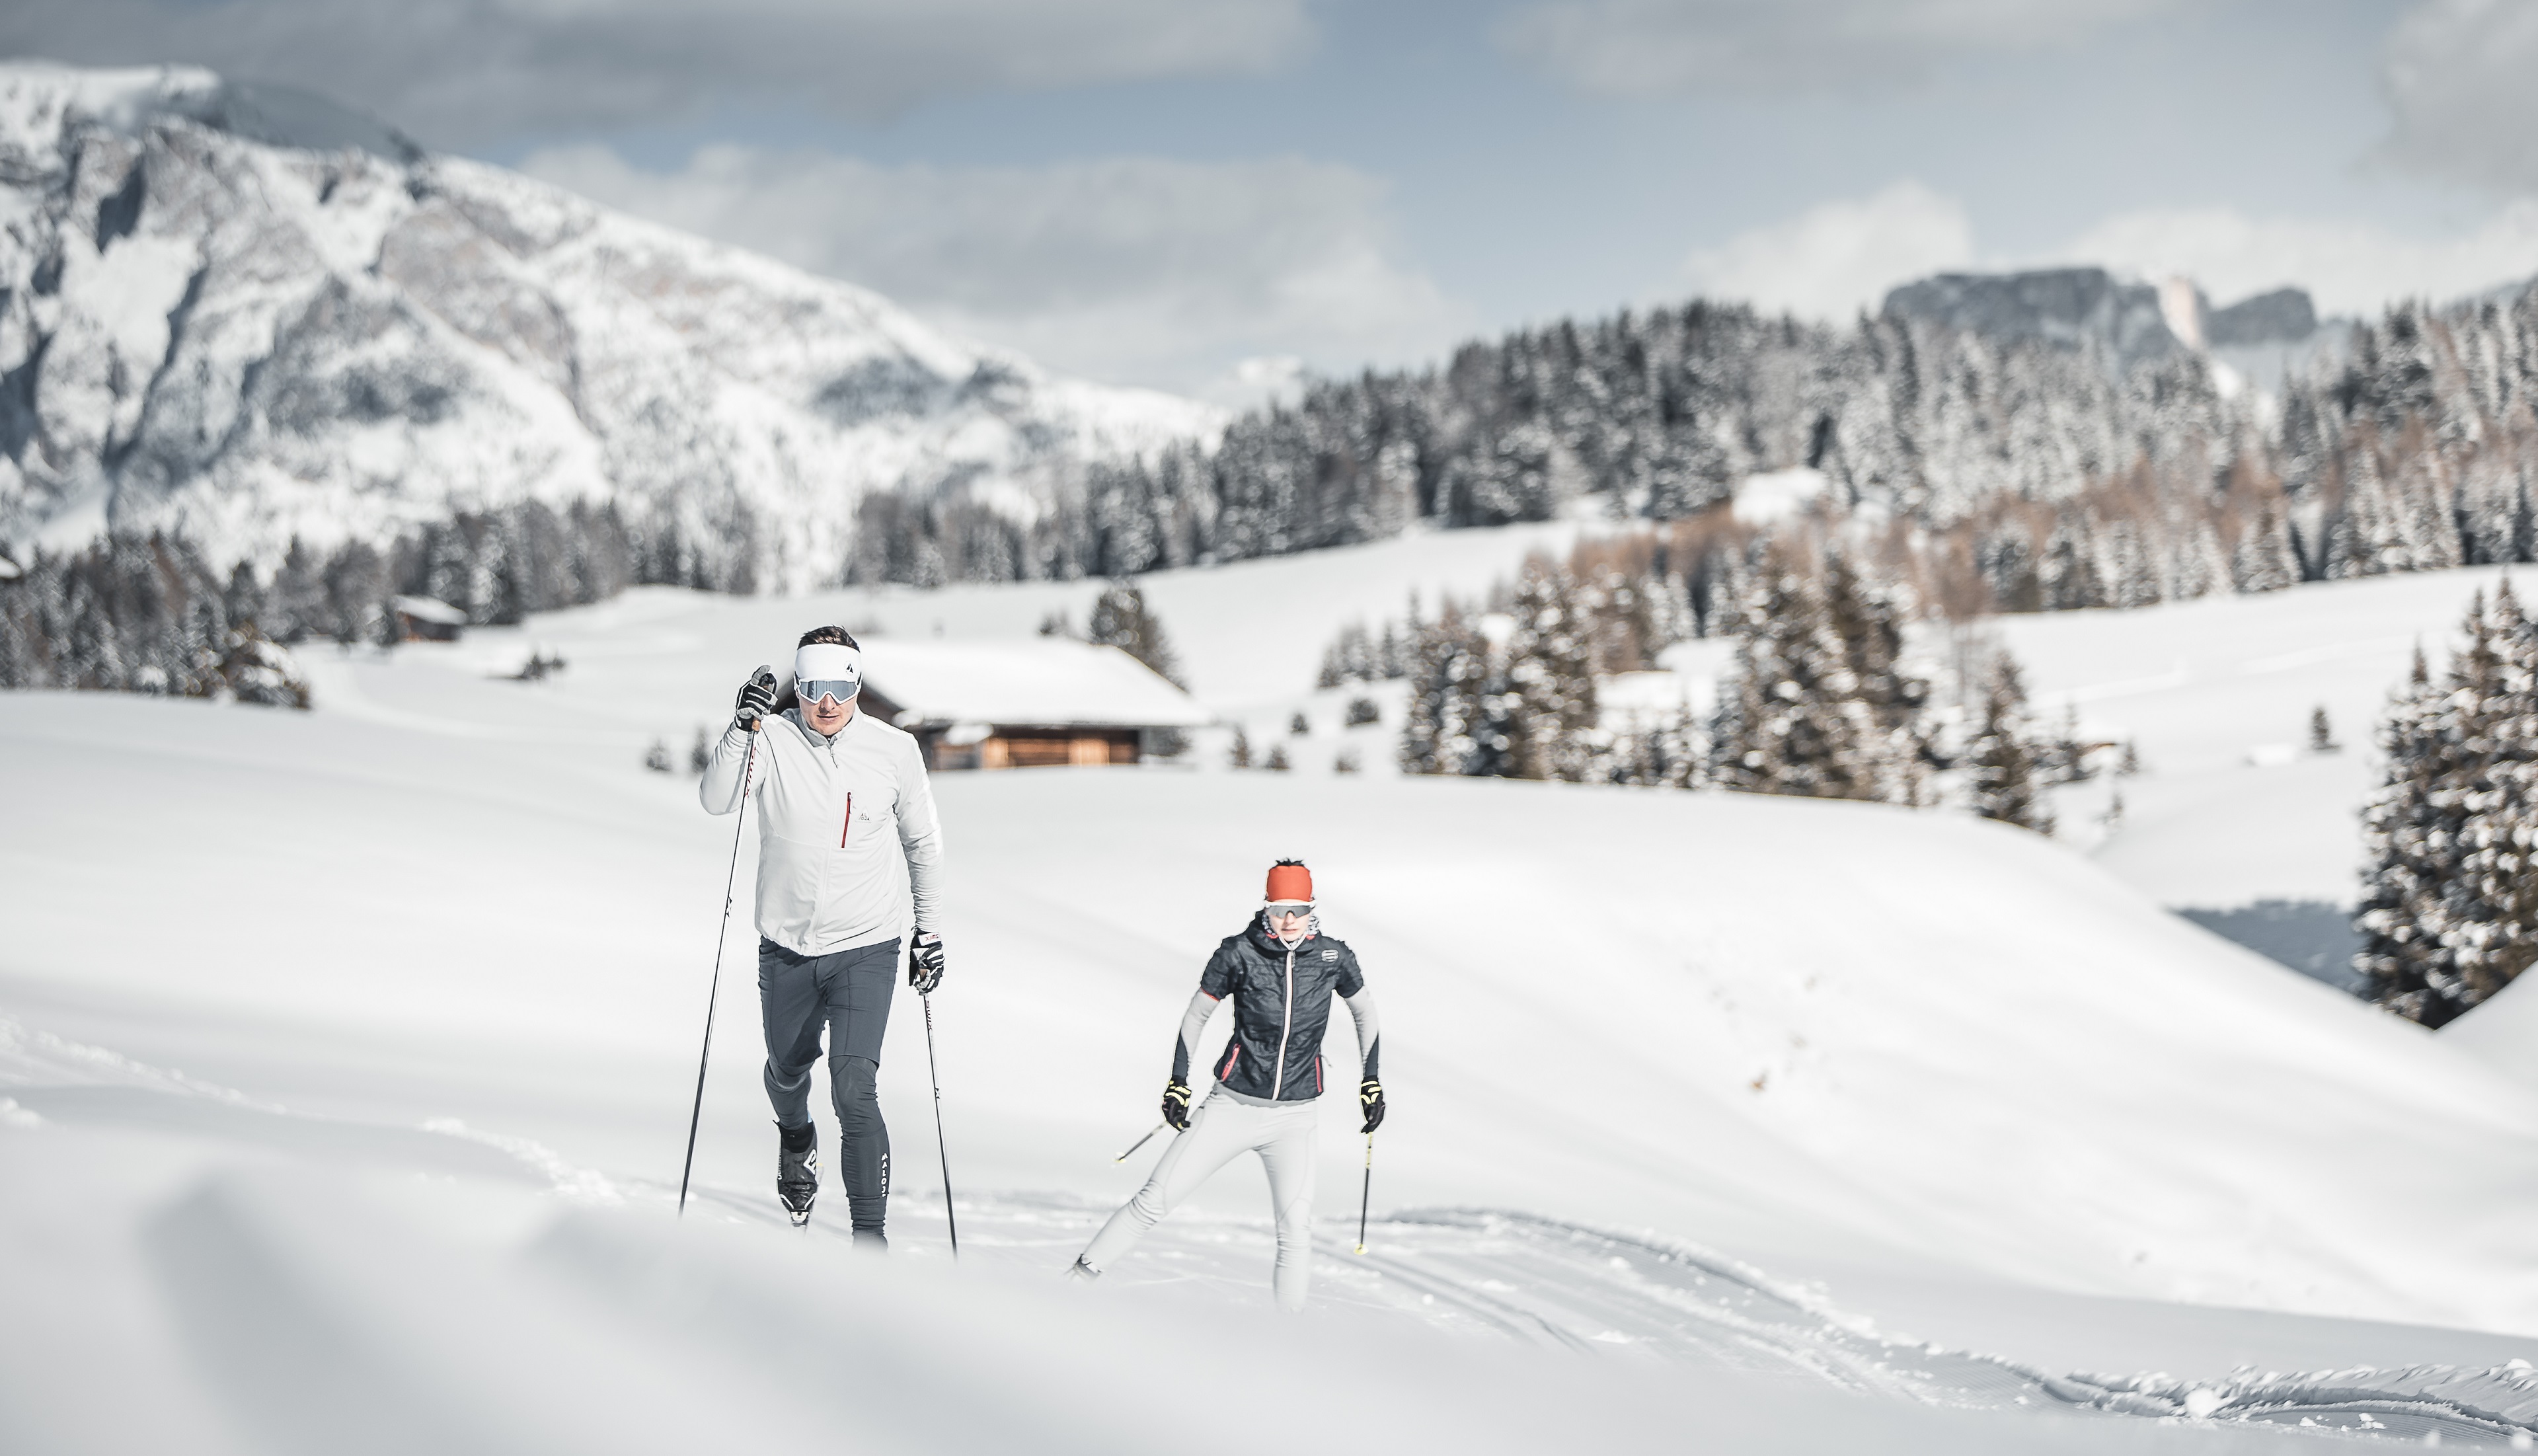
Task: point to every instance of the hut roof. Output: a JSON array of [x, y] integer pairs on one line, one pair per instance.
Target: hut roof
[[1048, 683]]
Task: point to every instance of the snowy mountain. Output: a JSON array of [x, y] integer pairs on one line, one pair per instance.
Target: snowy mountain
[[242, 313]]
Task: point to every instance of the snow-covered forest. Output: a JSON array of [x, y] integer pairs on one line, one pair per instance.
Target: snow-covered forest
[[2040, 473]]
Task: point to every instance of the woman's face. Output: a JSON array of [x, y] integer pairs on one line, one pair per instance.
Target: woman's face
[[1287, 920]]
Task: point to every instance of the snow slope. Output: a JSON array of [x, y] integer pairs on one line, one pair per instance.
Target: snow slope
[[2217, 693], [432, 960], [247, 340]]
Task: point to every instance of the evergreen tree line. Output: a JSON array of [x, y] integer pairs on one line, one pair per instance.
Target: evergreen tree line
[[150, 613], [1821, 702], [2039, 477], [2450, 905], [139, 614]]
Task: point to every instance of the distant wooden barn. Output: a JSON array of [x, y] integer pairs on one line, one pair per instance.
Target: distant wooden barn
[[427, 619], [1028, 703]]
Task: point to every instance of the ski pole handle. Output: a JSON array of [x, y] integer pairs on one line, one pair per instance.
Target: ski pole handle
[[1140, 1142]]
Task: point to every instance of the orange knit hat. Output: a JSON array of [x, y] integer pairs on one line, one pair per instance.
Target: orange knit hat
[[1288, 880]]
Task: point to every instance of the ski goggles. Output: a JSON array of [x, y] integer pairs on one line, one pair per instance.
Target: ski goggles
[[1280, 909], [825, 670]]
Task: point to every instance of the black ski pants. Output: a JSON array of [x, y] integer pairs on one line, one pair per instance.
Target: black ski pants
[[847, 993]]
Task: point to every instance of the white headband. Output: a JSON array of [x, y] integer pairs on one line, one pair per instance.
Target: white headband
[[828, 662]]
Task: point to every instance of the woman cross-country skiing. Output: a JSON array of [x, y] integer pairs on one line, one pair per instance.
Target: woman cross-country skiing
[[1279, 973], [842, 803]]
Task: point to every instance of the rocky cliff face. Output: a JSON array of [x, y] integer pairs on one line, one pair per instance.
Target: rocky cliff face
[[2071, 306], [247, 314]]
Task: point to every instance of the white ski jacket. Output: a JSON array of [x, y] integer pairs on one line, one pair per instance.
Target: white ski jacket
[[846, 828]]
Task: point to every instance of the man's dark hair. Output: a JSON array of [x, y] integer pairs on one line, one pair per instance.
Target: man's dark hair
[[833, 637]]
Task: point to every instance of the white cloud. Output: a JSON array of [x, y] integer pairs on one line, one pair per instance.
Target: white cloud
[[461, 71], [1185, 275], [2458, 77], [1836, 258], [1639, 47], [2347, 267]]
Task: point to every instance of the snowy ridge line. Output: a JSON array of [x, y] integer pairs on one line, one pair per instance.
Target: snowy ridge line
[[31, 1058], [27, 1057], [579, 1184]]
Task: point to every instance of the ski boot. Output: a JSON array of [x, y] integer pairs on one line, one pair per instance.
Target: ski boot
[[798, 1169]]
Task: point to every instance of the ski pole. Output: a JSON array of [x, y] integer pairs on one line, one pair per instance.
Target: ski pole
[[1366, 1193], [729, 877], [941, 1153], [1141, 1142]]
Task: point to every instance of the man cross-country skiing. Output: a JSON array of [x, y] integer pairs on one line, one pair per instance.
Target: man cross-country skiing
[[842, 801], [1279, 973]]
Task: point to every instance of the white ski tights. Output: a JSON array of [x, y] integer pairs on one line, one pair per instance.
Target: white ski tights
[[1221, 1130]]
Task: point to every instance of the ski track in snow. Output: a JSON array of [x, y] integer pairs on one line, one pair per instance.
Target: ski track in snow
[[1493, 1273], [1475, 1272]]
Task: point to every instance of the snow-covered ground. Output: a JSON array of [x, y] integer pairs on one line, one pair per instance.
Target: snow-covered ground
[[2217, 695], [347, 1059]]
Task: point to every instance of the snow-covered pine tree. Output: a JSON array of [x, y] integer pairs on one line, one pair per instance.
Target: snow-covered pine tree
[[2405, 834], [1237, 755], [1550, 670], [1351, 657], [2492, 901], [1790, 722], [297, 599], [1120, 620], [2449, 911], [2264, 560], [1869, 623], [2003, 781], [1448, 677], [1666, 753]]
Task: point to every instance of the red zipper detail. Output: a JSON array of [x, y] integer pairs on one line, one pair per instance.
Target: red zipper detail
[[849, 826], [1317, 1075], [1226, 1070]]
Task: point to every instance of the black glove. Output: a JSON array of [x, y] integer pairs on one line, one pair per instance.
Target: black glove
[[1177, 1105], [1370, 1096], [924, 961], [756, 699]]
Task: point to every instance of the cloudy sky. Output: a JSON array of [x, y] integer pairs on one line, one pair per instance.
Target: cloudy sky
[[1194, 193]]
